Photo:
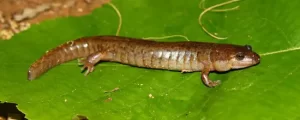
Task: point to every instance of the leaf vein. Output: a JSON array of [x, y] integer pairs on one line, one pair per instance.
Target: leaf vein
[[280, 51]]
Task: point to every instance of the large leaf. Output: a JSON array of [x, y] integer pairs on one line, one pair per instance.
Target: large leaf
[[267, 91]]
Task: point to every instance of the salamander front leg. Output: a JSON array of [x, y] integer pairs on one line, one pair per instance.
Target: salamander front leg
[[206, 80], [90, 62]]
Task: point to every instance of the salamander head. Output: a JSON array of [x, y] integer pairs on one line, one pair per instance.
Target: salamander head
[[233, 57]]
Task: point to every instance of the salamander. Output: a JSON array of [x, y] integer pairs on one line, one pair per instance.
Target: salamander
[[185, 56]]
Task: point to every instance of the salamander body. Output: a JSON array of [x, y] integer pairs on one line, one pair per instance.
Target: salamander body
[[178, 56]]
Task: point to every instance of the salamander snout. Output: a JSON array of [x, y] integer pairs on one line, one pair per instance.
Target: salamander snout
[[245, 59], [255, 58]]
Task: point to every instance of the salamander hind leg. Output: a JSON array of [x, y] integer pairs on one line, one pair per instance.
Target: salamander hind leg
[[90, 61]]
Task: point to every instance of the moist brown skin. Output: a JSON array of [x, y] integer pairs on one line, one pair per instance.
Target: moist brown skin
[[178, 56]]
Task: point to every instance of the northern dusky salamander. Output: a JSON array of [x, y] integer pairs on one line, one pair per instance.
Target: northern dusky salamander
[[179, 56]]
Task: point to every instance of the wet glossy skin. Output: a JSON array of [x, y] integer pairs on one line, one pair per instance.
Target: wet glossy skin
[[179, 56]]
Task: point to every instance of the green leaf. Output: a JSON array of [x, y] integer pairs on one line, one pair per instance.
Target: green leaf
[[267, 91]]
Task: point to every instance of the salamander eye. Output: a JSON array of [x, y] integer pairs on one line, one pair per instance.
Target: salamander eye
[[240, 56], [248, 47]]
